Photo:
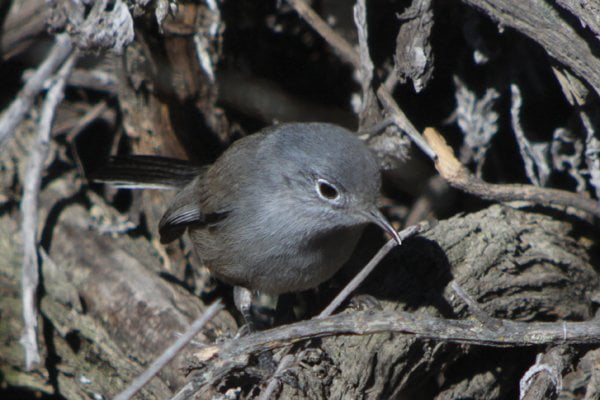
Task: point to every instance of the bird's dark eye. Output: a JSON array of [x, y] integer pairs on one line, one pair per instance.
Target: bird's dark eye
[[326, 190]]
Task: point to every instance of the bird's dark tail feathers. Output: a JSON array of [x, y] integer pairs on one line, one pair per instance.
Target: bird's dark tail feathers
[[146, 172]]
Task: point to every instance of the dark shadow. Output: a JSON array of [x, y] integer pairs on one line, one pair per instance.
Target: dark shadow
[[414, 274], [16, 393], [54, 215], [51, 359]]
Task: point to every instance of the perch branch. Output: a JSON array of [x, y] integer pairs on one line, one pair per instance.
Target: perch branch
[[509, 333], [365, 70], [224, 357]]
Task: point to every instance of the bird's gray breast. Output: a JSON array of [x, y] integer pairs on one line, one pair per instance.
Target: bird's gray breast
[[276, 260], [301, 264]]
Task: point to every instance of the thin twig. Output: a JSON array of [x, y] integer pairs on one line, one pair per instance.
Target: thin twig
[[81, 124], [459, 177], [400, 119], [171, 352], [475, 309], [350, 55], [362, 275], [14, 114], [367, 269], [339, 44], [284, 364], [535, 156], [29, 210], [90, 116]]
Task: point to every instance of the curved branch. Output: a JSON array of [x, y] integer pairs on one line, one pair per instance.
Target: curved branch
[[222, 358], [459, 177]]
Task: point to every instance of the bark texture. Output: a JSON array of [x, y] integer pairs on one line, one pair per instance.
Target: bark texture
[[490, 289]]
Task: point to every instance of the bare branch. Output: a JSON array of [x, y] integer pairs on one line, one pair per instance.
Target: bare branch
[[400, 119], [535, 155], [475, 309], [364, 273], [29, 210], [351, 56], [366, 64], [14, 114], [414, 54], [339, 44], [426, 327], [459, 177], [588, 13]]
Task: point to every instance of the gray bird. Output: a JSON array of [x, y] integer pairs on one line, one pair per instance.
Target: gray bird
[[279, 211]]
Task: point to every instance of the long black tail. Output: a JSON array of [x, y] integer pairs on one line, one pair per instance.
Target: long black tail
[[146, 172]]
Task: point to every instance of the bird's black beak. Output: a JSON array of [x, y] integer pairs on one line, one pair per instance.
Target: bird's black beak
[[377, 217]]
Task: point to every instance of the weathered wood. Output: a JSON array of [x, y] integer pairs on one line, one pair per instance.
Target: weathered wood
[[112, 298], [541, 22], [516, 264], [106, 312]]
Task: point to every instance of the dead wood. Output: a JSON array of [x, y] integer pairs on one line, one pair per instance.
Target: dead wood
[[494, 302]]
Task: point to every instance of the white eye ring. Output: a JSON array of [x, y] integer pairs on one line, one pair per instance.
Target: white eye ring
[[326, 190]]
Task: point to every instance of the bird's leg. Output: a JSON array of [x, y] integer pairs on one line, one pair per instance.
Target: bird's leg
[[242, 299]]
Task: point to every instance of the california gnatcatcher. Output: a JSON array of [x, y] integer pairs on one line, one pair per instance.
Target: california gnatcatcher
[[279, 211]]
